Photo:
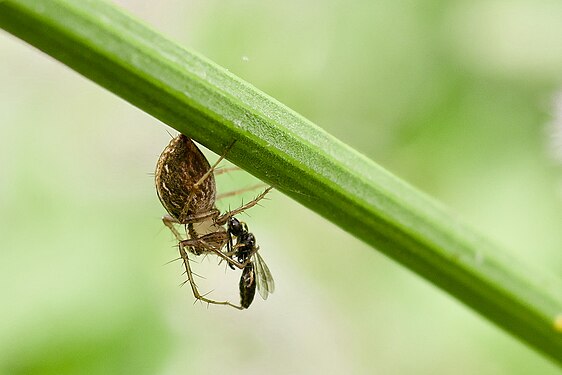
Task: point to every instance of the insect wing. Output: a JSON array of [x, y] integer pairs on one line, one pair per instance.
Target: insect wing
[[265, 282]]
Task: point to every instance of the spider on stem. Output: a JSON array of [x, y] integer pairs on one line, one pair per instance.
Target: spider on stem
[[185, 183]]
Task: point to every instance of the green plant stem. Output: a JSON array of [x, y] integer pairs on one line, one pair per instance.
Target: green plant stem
[[205, 102]]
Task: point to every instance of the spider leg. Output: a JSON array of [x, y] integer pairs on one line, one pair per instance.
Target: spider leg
[[198, 296], [201, 245], [222, 219], [205, 176]]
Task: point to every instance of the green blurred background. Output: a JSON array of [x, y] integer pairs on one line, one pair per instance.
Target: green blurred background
[[456, 97]]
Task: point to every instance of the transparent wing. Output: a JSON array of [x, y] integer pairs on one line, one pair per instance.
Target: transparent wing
[[265, 283]]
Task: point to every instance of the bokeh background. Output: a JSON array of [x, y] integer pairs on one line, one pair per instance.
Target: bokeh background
[[457, 97]]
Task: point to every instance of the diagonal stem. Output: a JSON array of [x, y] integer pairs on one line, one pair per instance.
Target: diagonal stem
[[207, 103]]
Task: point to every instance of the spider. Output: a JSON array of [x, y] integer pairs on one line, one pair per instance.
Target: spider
[[185, 183]]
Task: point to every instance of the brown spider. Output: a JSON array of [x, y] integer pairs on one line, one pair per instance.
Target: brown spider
[[185, 183]]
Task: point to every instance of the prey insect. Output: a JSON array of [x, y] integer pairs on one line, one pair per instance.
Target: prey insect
[[255, 273], [185, 183]]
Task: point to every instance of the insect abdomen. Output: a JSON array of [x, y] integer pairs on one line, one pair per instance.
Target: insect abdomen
[[247, 286]]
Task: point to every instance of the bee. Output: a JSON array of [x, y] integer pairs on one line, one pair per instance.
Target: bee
[[185, 184], [255, 273]]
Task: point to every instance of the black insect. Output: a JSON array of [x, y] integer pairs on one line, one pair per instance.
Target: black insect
[[185, 183], [255, 273]]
